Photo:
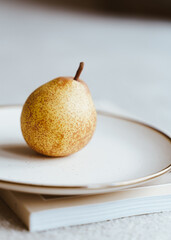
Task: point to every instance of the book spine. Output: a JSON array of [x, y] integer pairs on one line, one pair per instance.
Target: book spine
[[9, 198]]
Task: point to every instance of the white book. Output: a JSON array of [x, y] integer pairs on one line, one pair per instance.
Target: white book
[[41, 212]]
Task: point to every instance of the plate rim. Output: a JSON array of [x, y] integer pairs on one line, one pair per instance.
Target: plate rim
[[101, 186]]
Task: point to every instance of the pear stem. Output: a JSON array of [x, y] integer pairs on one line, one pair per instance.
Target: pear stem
[[80, 68]]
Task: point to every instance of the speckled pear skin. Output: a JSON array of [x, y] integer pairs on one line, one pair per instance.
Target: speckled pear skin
[[59, 117]]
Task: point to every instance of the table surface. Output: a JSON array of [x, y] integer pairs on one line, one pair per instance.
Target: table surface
[[127, 62]]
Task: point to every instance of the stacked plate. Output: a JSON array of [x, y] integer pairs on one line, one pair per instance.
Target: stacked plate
[[122, 153]]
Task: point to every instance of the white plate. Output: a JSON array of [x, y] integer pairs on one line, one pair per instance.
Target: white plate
[[121, 154]]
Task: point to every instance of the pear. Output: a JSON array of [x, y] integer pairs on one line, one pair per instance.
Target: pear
[[59, 117]]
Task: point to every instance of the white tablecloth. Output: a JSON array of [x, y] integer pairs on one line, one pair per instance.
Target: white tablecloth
[[127, 62]]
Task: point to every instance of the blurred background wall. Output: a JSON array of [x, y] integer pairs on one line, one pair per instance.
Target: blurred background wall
[[132, 7], [126, 47]]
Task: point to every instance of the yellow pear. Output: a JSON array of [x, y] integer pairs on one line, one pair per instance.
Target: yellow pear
[[59, 117]]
